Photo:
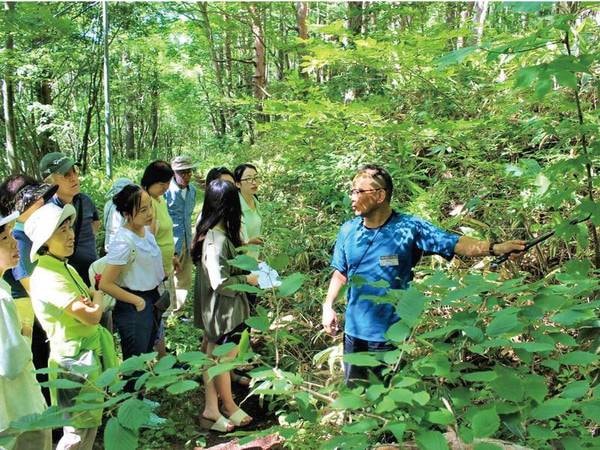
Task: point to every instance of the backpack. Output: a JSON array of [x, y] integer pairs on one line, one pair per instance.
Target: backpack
[[98, 266]]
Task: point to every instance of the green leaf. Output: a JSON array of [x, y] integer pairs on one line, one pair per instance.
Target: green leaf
[[222, 350], [422, 398], [117, 437], [244, 345], [543, 86], [486, 376], [160, 381], [218, 369], [440, 417], [566, 78], [165, 363], [134, 413], [401, 395], [348, 400], [504, 322], [290, 284], [397, 429], [535, 387], [571, 317], [261, 323], [398, 332], [410, 305], [591, 410], [244, 262], [551, 408], [525, 77], [578, 358], [108, 377], [507, 385], [432, 440], [182, 386], [575, 389], [62, 383], [486, 446], [279, 262], [196, 359], [455, 57], [245, 288], [362, 426], [362, 359], [485, 422]]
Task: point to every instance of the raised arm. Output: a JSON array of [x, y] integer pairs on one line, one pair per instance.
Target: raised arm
[[467, 246]]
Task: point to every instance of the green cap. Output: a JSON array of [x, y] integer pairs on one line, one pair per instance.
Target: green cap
[[55, 162]]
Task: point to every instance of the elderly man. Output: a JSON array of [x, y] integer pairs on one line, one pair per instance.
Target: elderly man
[[381, 244], [181, 199], [58, 168]]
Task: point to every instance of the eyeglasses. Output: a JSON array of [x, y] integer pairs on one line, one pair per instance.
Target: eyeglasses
[[362, 191], [184, 172], [251, 179]]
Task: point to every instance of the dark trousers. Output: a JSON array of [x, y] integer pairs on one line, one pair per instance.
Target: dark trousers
[[137, 330], [354, 345]]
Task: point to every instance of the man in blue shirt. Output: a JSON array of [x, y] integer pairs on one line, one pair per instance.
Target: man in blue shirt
[[381, 244], [181, 200], [58, 168]]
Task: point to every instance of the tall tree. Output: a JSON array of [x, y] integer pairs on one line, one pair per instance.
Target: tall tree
[[8, 94]]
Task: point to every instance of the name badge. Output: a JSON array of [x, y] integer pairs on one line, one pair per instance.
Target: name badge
[[388, 261]]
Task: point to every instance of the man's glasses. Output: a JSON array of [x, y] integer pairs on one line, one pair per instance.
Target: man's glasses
[[184, 172], [362, 191], [251, 179]]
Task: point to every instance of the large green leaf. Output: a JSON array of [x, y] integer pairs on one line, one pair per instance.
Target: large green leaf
[[551, 408], [134, 413], [348, 400], [362, 359], [182, 386], [504, 322], [117, 437], [578, 358], [244, 262], [432, 440], [261, 323], [290, 284], [456, 56], [575, 390], [410, 305], [485, 422]]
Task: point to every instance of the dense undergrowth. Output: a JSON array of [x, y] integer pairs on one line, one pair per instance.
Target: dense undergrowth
[[494, 141]]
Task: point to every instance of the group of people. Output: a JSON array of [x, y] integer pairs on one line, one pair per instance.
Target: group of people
[[56, 312], [47, 246]]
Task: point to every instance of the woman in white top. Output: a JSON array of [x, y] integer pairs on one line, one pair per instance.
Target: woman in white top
[[247, 181], [133, 272], [20, 393]]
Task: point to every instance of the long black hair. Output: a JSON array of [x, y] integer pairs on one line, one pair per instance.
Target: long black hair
[[221, 203], [128, 200]]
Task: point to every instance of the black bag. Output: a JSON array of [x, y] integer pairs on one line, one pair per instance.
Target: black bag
[[163, 302]]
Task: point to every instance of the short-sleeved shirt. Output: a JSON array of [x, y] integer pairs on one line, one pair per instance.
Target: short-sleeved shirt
[[113, 220], [386, 253], [24, 268], [55, 284], [164, 233], [85, 250], [146, 271]]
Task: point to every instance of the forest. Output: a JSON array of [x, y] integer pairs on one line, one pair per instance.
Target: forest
[[486, 114]]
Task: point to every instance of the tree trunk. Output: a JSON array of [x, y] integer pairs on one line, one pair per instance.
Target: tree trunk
[[464, 15], [355, 17], [89, 114], [154, 106], [44, 97], [481, 8], [259, 80], [302, 9], [9, 97], [206, 27]]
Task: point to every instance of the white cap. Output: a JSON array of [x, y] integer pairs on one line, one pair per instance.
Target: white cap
[[42, 224]]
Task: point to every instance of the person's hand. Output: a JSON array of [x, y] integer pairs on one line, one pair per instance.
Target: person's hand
[[87, 301], [139, 304], [97, 297], [329, 320], [514, 247], [252, 279], [256, 241]]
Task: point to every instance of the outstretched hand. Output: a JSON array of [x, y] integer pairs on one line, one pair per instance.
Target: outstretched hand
[[514, 247]]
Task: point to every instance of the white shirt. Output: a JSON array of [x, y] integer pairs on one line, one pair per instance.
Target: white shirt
[[146, 271]]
